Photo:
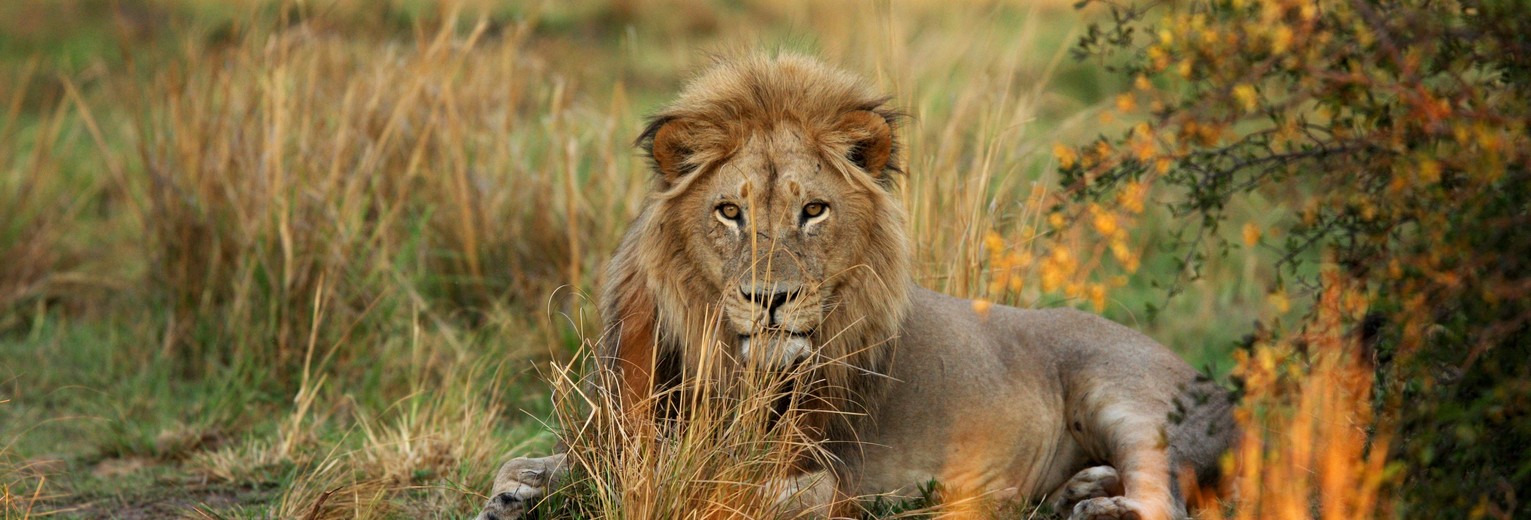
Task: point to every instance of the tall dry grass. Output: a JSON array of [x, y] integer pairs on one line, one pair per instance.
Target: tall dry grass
[[43, 206], [1311, 446], [451, 170], [41, 195], [724, 447]]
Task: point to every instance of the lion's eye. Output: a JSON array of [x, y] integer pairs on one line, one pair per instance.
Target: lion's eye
[[729, 211], [814, 209]]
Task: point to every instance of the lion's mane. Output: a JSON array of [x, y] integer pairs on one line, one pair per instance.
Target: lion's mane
[[654, 299]]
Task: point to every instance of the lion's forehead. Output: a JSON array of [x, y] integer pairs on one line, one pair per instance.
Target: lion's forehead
[[774, 154], [774, 181]]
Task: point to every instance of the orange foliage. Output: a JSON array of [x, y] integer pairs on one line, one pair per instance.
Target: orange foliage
[[1306, 415]]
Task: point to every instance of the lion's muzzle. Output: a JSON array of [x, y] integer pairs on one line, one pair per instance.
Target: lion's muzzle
[[775, 322]]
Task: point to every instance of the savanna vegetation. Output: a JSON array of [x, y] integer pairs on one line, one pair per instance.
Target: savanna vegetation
[[337, 259]]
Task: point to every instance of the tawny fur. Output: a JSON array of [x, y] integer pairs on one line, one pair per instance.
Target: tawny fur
[[1011, 403]]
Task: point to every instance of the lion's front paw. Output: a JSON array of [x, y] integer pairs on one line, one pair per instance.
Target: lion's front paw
[[1096, 482], [1108, 508], [504, 506], [520, 484]]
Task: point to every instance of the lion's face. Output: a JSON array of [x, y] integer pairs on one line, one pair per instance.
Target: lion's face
[[772, 230], [775, 226]]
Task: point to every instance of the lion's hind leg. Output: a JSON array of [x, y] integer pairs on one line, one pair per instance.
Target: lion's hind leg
[[1133, 440], [1093, 482]]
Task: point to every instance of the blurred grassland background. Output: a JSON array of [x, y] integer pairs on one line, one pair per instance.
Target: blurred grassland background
[[305, 259]]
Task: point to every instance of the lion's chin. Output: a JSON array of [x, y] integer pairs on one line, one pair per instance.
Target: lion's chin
[[775, 351]]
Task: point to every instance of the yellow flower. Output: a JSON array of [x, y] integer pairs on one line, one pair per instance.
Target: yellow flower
[[1210, 36], [1056, 220], [1051, 279], [982, 307], [1126, 103], [1120, 250], [1266, 360], [1144, 149], [1132, 195], [1066, 155], [1103, 148], [1159, 58], [1279, 300], [1062, 257], [1429, 171], [1251, 234], [1246, 97], [1105, 223], [1098, 297], [993, 242], [1281, 39]]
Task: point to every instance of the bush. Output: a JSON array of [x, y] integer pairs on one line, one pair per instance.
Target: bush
[[1398, 130]]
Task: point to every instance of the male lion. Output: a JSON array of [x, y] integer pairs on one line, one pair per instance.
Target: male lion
[[773, 208]]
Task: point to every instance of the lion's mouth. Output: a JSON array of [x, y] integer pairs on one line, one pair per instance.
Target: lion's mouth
[[778, 333], [782, 348]]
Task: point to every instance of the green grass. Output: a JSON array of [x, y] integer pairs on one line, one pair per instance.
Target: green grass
[[281, 259]]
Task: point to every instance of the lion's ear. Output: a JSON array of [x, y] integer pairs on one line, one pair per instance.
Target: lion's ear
[[666, 142], [871, 140]]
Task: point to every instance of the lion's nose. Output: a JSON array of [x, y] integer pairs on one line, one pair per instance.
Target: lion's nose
[[770, 300]]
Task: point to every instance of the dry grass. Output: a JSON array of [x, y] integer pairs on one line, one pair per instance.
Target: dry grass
[[21, 486], [440, 168], [1307, 450], [31, 233], [728, 455], [731, 451], [352, 241]]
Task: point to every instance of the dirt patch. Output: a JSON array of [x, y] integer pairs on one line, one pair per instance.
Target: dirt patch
[[159, 500], [115, 468]]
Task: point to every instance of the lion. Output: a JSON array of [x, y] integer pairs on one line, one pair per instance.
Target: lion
[[773, 207]]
